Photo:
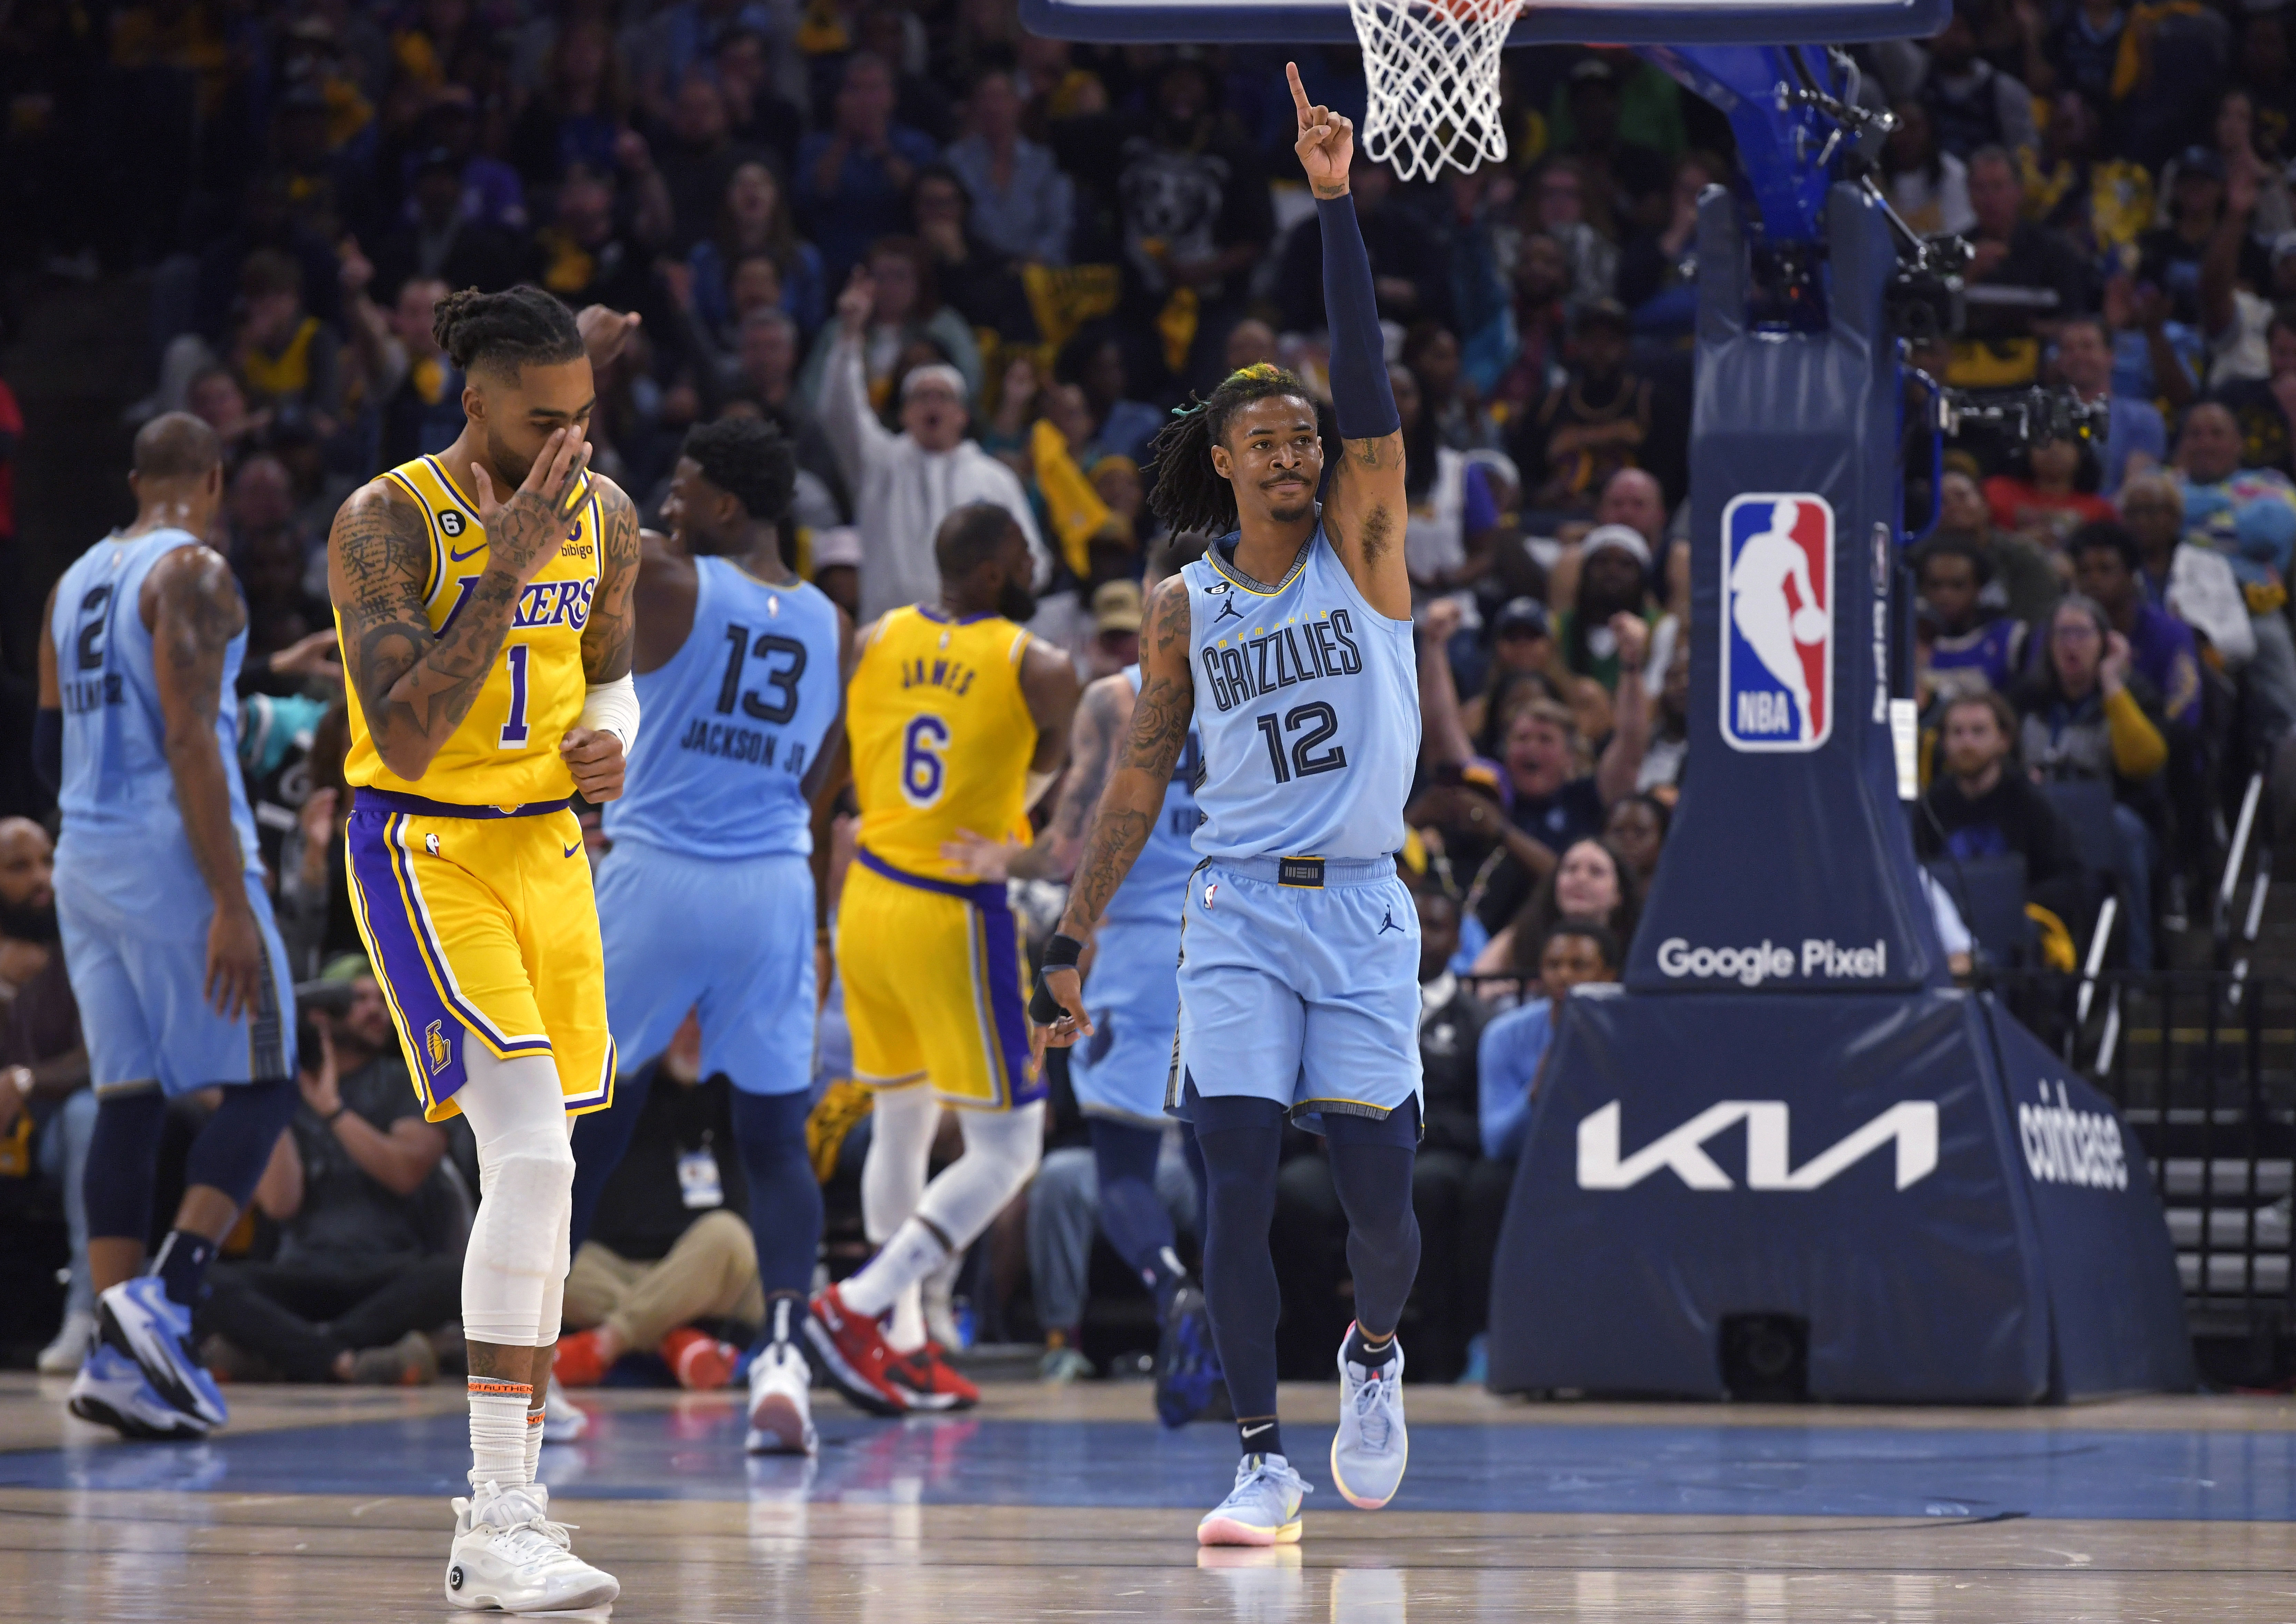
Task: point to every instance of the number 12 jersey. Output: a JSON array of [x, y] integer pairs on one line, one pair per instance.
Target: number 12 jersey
[[1308, 707]]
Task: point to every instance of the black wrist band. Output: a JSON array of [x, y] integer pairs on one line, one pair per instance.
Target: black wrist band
[[330, 1117], [1061, 953]]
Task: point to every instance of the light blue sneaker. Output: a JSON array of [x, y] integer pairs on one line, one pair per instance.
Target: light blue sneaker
[[1369, 1449], [111, 1391], [1263, 1508], [141, 1320]]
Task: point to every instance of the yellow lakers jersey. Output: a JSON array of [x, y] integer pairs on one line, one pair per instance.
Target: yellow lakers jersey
[[505, 752], [940, 733]]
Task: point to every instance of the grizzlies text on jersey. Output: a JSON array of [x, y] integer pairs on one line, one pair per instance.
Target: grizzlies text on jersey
[[1308, 708], [1299, 947]]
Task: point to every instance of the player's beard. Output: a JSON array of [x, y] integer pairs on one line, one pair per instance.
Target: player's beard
[[1015, 601], [23, 923], [1293, 513]]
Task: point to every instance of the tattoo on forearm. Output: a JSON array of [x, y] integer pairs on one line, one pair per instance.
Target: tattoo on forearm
[[412, 683], [1134, 796], [609, 636], [199, 612]]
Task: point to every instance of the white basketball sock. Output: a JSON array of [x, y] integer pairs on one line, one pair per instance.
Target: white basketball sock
[[534, 1436], [499, 1432], [892, 1276]]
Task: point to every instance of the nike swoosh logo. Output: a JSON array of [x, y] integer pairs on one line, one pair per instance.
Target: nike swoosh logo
[[576, 847], [453, 557], [1264, 1426]]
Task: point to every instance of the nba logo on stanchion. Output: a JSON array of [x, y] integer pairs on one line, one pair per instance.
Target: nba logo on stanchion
[[1777, 622]]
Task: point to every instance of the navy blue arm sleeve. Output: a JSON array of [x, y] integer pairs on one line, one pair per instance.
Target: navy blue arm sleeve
[[1360, 397], [48, 748]]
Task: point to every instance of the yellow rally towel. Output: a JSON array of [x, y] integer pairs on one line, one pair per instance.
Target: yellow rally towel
[[1176, 325], [1065, 298], [1077, 511], [834, 1116], [2056, 941]]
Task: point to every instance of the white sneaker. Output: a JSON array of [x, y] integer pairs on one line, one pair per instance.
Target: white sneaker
[[1371, 1447], [508, 1554], [62, 1357], [781, 1410], [563, 1420], [113, 1389]]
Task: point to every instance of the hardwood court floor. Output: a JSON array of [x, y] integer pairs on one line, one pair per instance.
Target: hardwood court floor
[[1067, 1505]]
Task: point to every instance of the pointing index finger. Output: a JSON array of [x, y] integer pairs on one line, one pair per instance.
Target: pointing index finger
[[1298, 91]]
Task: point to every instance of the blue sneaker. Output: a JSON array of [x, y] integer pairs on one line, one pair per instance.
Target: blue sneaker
[[1187, 1362], [1369, 1449], [1263, 1508], [141, 1320], [111, 1391]]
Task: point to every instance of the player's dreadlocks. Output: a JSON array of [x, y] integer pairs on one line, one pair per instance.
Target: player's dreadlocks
[[750, 460], [1189, 493], [517, 327]]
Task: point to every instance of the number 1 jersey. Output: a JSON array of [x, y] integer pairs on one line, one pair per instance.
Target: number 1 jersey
[[941, 734], [734, 721], [1308, 708], [506, 751]]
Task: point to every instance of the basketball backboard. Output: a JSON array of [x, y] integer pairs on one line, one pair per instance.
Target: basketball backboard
[[1624, 22]]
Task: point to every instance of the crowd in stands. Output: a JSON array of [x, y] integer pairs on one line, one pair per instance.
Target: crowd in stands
[[955, 263]]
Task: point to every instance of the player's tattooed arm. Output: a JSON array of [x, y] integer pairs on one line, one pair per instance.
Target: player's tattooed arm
[[194, 609], [610, 638], [1102, 716], [415, 686], [1133, 798]]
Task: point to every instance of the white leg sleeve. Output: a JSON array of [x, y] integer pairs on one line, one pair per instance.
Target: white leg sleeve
[[515, 1271], [902, 1125], [1001, 1152]]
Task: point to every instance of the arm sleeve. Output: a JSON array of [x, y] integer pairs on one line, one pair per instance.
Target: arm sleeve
[[2138, 750], [1360, 396]]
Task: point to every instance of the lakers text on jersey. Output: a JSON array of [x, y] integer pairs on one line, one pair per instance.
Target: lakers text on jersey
[[935, 984], [470, 885]]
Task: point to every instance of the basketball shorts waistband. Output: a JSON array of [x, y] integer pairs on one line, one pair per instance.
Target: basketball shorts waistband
[[368, 799], [1307, 873]]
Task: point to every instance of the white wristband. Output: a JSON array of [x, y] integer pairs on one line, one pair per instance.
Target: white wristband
[[612, 708]]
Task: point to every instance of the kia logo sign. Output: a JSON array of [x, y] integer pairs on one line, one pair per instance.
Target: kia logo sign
[[1912, 1126]]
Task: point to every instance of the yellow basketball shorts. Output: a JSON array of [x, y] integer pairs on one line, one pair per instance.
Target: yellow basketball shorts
[[936, 988], [482, 929]]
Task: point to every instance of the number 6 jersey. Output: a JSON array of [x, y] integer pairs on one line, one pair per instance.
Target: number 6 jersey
[[1308, 707], [734, 721], [941, 734]]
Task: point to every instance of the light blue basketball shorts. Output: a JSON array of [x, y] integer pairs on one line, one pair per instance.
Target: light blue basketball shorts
[[734, 939], [1134, 998], [1299, 983], [135, 947]]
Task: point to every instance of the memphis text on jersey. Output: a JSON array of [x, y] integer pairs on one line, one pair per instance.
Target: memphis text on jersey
[[1258, 660]]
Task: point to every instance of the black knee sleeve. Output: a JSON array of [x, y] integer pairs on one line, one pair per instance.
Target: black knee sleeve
[[123, 1160], [232, 1149], [1372, 1174]]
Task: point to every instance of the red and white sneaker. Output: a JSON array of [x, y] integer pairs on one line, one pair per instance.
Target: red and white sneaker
[[929, 1382], [699, 1361], [853, 1354]]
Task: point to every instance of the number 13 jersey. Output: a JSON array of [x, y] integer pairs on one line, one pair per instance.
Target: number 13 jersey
[[1307, 706], [735, 720], [941, 736]]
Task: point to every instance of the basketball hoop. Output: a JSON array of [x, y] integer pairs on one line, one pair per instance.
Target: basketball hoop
[[1432, 69]]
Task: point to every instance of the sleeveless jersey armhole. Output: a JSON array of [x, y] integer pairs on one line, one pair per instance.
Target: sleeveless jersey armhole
[[434, 568], [1348, 579]]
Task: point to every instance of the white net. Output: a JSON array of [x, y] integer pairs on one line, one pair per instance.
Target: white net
[[1432, 69]]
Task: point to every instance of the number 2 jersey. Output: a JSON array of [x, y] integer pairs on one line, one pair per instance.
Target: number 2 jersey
[[505, 753], [734, 721], [940, 733], [1308, 708]]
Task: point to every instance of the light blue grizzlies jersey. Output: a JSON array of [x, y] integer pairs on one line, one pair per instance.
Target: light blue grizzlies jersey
[[1307, 706], [734, 722], [115, 785], [1156, 885]]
